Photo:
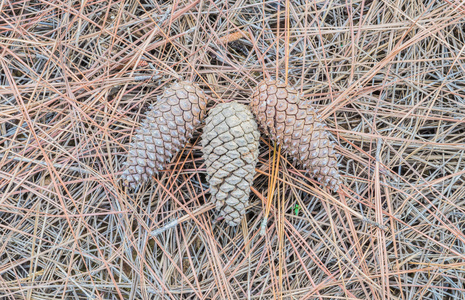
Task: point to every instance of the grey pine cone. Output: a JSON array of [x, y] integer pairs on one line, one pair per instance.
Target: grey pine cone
[[230, 147], [168, 126]]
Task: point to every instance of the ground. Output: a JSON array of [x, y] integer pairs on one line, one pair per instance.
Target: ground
[[387, 77]]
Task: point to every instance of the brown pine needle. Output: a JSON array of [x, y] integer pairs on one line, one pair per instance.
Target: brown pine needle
[[274, 166]]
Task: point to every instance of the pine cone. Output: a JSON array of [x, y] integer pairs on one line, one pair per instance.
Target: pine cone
[[298, 129], [168, 126], [230, 142]]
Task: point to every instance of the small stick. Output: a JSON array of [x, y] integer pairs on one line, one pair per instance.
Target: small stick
[[376, 224], [142, 63], [204, 208], [232, 37]]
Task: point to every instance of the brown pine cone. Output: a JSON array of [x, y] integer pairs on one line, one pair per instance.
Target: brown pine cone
[[168, 126], [230, 142], [297, 128]]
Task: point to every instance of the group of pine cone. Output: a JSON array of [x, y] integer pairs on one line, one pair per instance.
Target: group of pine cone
[[230, 140]]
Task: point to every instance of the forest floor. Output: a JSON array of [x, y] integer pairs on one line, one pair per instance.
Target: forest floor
[[388, 78]]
